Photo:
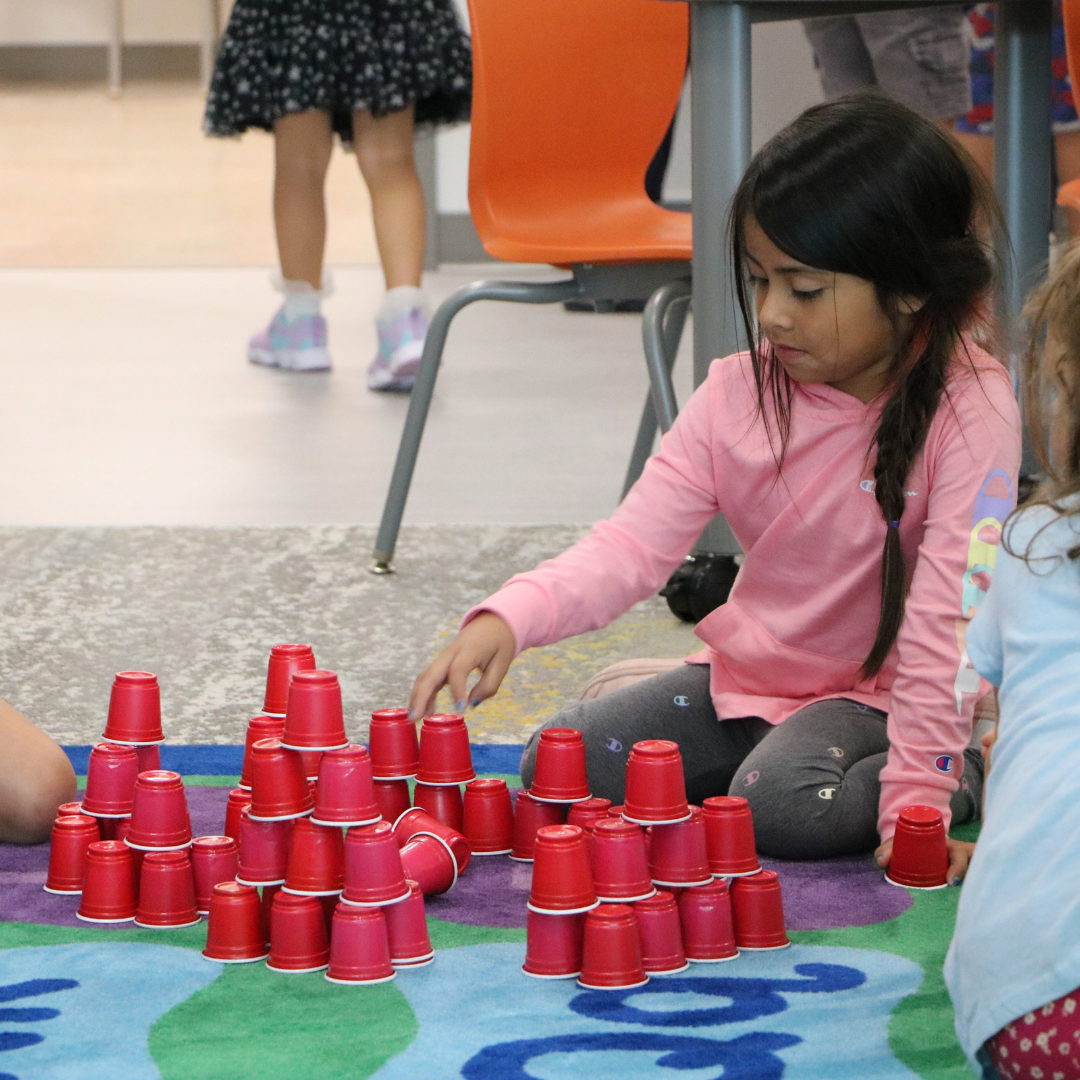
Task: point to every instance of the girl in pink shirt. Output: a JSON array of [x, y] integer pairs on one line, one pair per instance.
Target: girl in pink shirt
[[864, 451]]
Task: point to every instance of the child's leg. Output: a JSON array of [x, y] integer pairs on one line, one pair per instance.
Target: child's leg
[[35, 778], [676, 706]]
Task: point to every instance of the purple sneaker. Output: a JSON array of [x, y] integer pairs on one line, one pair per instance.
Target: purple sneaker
[[299, 345], [401, 344]]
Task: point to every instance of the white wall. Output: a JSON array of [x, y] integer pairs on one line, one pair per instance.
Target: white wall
[[86, 22]]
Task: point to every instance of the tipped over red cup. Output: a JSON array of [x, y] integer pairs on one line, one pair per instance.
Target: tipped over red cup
[[314, 719], [134, 709], [920, 856], [359, 947], [259, 727], [110, 780], [531, 815], [655, 784], [611, 955], [559, 775], [285, 662], [234, 933], [427, 860], [707, 926], [393, 745], [159, 812], [445, 756], [72, 835], [729, 836], [561, 878], [345, 791], [417, 820], [758, 912]]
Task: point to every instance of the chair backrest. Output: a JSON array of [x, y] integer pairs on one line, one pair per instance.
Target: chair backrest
[[571, 99]]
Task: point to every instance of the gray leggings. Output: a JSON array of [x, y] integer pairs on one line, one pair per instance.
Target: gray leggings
[[812, 781]]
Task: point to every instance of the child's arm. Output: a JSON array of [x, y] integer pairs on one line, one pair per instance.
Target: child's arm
[[35, 778]]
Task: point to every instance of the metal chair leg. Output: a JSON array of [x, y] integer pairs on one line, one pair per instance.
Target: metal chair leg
[[116, 48], [521, 292], [656, 351]]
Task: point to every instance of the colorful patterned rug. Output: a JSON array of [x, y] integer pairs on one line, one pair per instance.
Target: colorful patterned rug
[[860, 995]]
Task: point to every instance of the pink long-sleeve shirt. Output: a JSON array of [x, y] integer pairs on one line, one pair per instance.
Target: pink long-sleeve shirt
[[803, 612]]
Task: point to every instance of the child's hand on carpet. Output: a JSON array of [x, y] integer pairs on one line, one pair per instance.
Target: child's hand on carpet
[[485, 645], [960, 852]]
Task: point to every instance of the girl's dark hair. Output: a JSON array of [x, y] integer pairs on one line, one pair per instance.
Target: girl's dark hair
[[866, 186]]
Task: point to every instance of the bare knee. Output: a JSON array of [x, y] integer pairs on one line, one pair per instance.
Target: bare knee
[[384, 163], [31, 797]]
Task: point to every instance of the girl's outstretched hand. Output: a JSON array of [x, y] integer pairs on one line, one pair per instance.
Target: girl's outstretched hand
[[485, 645], [959, 856]]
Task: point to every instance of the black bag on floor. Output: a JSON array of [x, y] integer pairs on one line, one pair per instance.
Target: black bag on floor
[[700, 585]]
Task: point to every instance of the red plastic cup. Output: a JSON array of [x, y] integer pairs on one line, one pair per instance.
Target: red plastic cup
[[298, 939], [417, 820], [393, 746], [316, 860], [406, 928], [373, 870], [428, 860], [214, 859], [113, 828], [662, 951], [108, 894], [677, 853], [149, 757], [166, 891], [559, 775], [110, 780], [392, 798], [134, 709], [589, 811], [72, 834], [616, 811], [259, 727], [234, 933], [561, 877], [279, 789], [655, 785], [445, 757], [729, 836], [264, 850], [443, 802], [68, 808], [758, 911], [611, 956], [530, 816], [488, 817], [159, 813], [707, 928], [345, 792], [920, 857], [285, 662], [310, 760], [266, 903], [314, 719], [554, 944], [620, 867], [359, 948], [239, 800]]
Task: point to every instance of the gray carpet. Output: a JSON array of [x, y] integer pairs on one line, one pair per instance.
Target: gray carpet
[[201, 608]]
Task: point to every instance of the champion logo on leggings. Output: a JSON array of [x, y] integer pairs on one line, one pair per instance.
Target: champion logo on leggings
[[836, 751], [614, 745], [682, 701], [751, 778], [826, 793]]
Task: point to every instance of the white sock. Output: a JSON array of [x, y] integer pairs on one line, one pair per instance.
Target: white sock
[[301, 298], [402, 299]]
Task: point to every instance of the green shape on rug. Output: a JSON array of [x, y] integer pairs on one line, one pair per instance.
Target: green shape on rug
[[451, 935]]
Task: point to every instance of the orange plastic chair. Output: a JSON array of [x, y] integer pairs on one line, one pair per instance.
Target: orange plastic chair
[[1069, 194], [571, 99]]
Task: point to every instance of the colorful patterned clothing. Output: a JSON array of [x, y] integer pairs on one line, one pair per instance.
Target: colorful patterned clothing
[[1040, 1045]]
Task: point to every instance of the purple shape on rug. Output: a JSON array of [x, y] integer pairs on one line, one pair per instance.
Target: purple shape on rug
[[23, 869], [492, 892]]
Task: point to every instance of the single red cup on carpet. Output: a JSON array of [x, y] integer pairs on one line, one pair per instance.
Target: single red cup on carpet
[[110, 780], [417, 820], [655, 785], [620, 867], [72, 834], [445, 757], [134, 709], [279, 789], [239, 800], [214, 859], [561, 878], [488, 817], [662, 951], [707, 926], [316, 860], [159, 812], [264, 850], [108, 893], [757, 908], [611, 954], [259, 727], [406, 929], [373, 871], [285, 662], [359, 948], [234, 932], [531, 815], [149, 757], [166, 891], [345, 791], [920, 856], [428, 860], [393, 745], [298, 938], [443, 802], [677, 853], [392, 798], [314, 719], [729, 836], [559, 775], [553, 945], [589, 811]]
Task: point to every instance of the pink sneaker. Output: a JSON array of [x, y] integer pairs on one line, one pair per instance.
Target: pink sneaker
[[299, 345], [401, 344]]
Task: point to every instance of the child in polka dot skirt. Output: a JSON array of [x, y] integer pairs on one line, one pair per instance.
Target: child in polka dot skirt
[[1013, 968]]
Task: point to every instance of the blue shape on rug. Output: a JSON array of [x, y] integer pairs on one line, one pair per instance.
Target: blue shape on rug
[[800, 1014], [104, 999]]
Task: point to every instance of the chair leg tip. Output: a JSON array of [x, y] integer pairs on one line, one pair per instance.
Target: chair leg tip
[[380, 567]]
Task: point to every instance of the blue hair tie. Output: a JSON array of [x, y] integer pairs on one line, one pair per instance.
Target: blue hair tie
[[892, 524]]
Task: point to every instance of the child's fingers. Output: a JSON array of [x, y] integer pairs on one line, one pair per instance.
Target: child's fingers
[[427, 686], [488, 684], [461, 667], [959, 858]]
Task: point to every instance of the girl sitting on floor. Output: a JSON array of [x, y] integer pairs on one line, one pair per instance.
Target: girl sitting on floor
[[1014, 965], [864, 451]]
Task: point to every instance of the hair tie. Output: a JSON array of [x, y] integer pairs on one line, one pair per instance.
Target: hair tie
[[892, 524]]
